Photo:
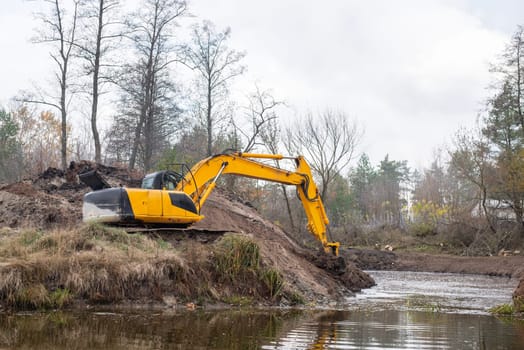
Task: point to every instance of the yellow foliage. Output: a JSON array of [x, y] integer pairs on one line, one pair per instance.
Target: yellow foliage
[[428, 211]]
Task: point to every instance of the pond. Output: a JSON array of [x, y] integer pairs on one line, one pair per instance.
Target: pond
[[405, 311]]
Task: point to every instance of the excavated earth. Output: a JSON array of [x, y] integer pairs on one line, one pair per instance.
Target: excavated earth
[[53, 200]]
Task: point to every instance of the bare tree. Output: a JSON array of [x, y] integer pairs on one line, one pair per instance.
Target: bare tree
[[270, 138], [147, 85], [260, 113], [59, 31], [471, 161], [216, 64], [96, 39], [328, 142]]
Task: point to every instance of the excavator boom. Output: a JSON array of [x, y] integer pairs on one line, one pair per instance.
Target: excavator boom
[[172, 199]]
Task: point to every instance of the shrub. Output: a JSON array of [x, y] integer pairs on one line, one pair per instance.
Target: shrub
[[273, 281], [236, 255]]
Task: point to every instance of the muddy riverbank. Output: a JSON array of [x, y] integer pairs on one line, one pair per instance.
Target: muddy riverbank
[[371, 259]]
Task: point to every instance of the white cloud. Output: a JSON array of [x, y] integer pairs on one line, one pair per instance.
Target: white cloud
[[411, 71]]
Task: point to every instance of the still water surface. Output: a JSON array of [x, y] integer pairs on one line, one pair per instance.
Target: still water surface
[[405, 311]]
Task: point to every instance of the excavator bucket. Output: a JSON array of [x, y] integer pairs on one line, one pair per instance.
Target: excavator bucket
[[93, 179]]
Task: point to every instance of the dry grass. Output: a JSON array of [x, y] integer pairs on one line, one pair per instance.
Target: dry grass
[[93, 262], [98, 264]]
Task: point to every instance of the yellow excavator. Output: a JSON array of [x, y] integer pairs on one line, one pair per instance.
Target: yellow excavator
[[168, 198]]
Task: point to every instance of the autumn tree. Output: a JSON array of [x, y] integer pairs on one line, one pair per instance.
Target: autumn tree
[[37, 138], [471, 161], [59, 31], [215, 65]]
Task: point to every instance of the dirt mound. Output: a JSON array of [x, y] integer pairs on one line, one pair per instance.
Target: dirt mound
[[305, 269], [54, 199], [367, 259], [23, 205]]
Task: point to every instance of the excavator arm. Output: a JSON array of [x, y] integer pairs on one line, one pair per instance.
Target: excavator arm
[[200, 181]]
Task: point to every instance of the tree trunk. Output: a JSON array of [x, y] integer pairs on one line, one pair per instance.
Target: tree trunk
[[96, 69], [143, 109], [485, 209], [63, 112], [288, 205], [209, 121]]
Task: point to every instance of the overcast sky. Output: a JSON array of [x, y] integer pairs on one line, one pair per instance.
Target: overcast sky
[[411, 72]]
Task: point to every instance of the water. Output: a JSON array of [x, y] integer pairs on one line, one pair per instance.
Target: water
[[426, 291], [405, 311]]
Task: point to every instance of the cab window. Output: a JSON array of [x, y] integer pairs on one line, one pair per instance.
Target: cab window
[[170, 182], [148, 181]]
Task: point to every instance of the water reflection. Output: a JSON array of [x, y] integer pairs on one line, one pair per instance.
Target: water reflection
[[261, 329], [403, 330], [186, 330]]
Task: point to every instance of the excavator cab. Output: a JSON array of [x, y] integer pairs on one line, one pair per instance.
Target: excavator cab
[[162, 180]]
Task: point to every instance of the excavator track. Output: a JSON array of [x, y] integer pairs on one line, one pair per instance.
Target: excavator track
[[175, 235]]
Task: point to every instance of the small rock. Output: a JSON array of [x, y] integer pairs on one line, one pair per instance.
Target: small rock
[[169, 300]]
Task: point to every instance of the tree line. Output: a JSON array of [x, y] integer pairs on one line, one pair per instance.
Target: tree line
[[129, 67]]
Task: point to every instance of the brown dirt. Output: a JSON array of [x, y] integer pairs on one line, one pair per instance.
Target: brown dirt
[[54, 200], [368, 259], [305, 269], [518, 297]]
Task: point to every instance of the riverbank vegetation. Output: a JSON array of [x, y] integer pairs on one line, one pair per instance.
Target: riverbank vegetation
[[99, 265]]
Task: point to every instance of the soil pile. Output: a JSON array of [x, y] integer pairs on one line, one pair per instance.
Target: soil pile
[[305, 269], [53, 200]]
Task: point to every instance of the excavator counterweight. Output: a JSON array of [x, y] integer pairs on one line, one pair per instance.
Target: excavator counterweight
[[172, 199]]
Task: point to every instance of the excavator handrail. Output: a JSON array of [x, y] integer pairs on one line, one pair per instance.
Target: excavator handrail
[[205, 173]]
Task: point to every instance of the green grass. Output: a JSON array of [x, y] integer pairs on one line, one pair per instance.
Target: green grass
[[504, 310], [273, 281], [236, 255]]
